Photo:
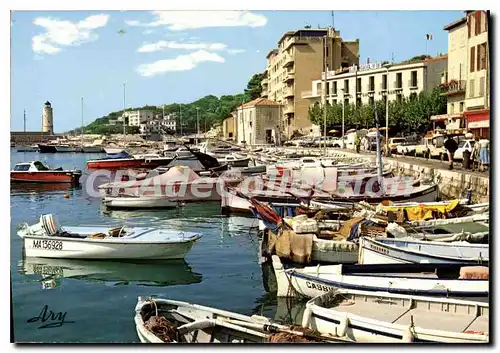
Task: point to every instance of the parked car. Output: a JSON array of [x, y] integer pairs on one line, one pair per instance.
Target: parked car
[[296, 142], [394, 142], [464, 145], [320, 141]]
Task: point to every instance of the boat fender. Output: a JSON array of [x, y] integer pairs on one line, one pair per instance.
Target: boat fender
[[342, 326]]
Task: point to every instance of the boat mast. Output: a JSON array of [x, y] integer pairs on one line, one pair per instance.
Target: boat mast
[[124, 130], [379, 152], [82, 126]]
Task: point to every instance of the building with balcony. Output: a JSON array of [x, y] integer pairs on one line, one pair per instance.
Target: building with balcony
[[477, 93], [295, 63], [371, 82], [137, 117], [258, 122]]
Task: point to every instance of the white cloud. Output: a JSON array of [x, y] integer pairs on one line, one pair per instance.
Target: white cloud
[[257, 51], [180, 63], [148, 31], [236, 51], [65, 33], [182, 20], [164, 44]]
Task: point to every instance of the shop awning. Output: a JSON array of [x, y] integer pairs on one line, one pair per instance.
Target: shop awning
[[477, 119], [443, 117]]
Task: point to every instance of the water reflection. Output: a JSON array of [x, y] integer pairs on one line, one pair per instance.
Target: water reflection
[[287, 311], [157, 273], [29, 188]]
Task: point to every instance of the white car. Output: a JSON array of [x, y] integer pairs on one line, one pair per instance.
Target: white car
[[465, 145], [296, 142]]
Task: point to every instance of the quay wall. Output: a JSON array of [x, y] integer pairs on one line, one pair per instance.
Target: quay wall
[[452, 183]]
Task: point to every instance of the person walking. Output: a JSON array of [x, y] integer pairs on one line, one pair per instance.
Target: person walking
[[451, 146], [357, 143], [475, 155], [484, 153]]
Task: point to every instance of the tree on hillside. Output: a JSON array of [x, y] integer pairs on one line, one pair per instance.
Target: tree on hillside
[[254, 89]]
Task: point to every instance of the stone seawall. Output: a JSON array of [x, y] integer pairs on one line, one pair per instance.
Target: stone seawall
[[452, 183]]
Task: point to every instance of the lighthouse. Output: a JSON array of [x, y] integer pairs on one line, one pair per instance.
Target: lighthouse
[[47, 122]]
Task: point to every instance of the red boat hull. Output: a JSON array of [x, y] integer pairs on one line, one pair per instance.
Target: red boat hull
[[44, 177], [116, 164]]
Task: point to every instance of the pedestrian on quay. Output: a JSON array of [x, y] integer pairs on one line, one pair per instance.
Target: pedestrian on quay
[[484, 153], [475, 155], [357, 143], [451, 146]]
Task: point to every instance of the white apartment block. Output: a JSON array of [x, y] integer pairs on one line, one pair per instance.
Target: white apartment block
[[258, 122], [372, 82], [138, 117]]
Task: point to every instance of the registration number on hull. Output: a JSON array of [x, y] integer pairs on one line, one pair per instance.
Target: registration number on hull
[[48, 244]]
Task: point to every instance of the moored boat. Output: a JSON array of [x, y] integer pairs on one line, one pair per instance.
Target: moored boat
[[139, 202], [399, 251], [124, 160], [31, 148], [159, 320], [112, 150], [48, 239], [376, 317], [412, 279], [37, 172]]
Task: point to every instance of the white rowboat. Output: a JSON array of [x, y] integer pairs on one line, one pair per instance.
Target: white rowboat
[[49, 239]]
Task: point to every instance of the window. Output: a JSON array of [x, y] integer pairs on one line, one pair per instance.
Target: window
[[477, 20], [472, 58], [413, 95], [346, 86], [358, 101], [481, 57], [22, 168], [399, 80], [327, 88], [399, 98], [358, 88], [461, 107], [452, 108], [335, 87], [384, 99], [334, 101], [346, 101], [469, 25], [471, 88], [414, 82], [481, 86], [384, 81], [371, 100], [372, 84]]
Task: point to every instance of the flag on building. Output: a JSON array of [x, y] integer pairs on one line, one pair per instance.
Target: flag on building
[[428, 36]]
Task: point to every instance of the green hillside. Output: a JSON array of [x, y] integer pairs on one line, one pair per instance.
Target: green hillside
[[212, 111]]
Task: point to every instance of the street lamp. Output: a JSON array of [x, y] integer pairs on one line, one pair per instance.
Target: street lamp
[[387, 110], [343, 116], [197, 123]]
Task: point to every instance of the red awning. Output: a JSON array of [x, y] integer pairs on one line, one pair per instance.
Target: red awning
[[477, 115]]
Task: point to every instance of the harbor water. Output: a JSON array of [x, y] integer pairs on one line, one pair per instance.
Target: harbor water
[[99, 297]]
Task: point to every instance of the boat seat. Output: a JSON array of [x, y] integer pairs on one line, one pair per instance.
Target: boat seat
[[50, 224]]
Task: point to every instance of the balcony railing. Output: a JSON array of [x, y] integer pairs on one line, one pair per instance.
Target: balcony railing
[[288, 60], [289, 76], [288, 92], [264, 81], [453, 87], [288, 108]]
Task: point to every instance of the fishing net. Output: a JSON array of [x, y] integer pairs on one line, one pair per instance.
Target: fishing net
[[161, 328]]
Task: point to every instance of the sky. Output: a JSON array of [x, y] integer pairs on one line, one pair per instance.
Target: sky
[[177, 56]]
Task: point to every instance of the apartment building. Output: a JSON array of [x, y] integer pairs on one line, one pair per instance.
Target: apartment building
[[297, 61], [158, 125], [477, 95], [137, 117], [367, 83], [258, 122]]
